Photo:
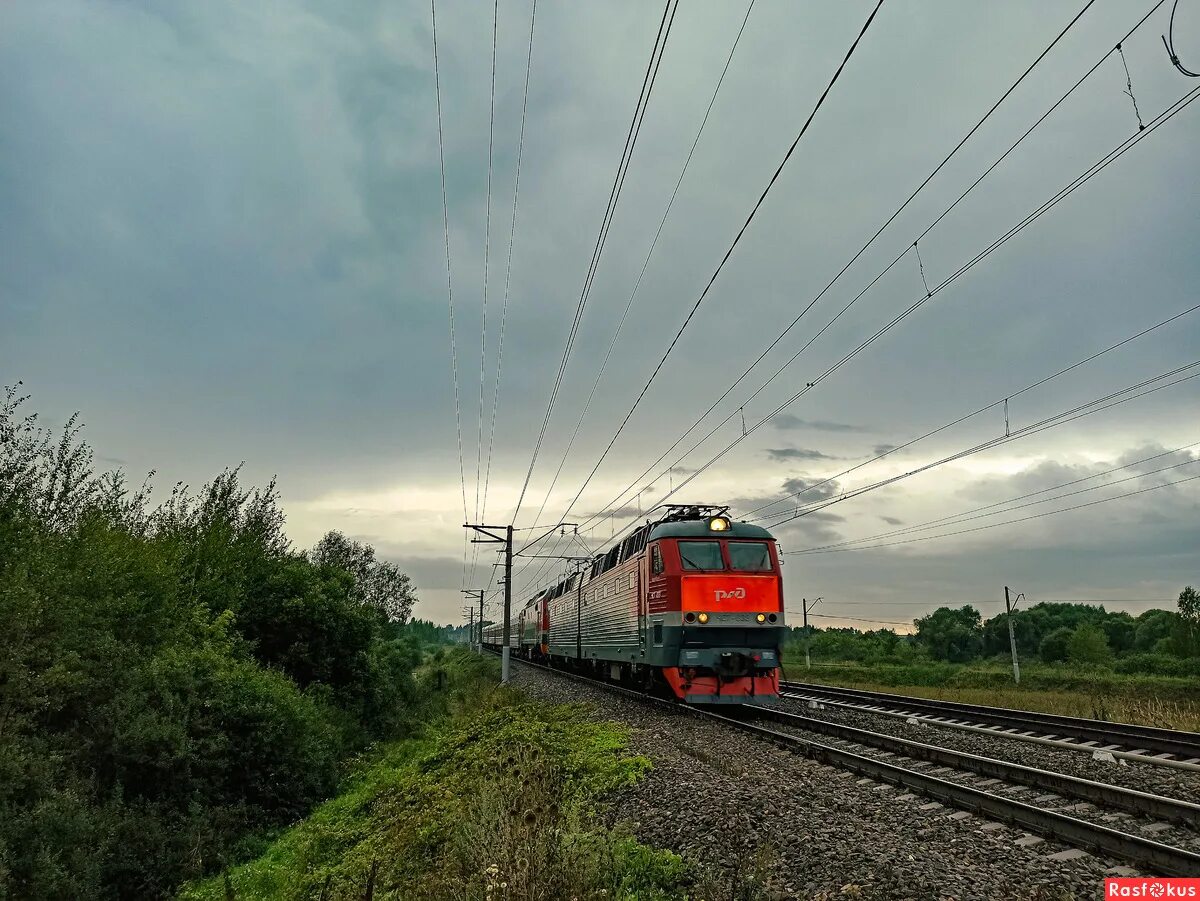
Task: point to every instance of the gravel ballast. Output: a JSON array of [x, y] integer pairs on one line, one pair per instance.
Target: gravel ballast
[[1159, 780], [742, 807], [1111, 816]]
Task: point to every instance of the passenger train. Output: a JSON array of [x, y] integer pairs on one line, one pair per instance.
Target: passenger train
[[691, 603]]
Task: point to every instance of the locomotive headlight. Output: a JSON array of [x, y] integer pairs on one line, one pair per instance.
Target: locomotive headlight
[[703, 617], [762, 617], [718, 524]]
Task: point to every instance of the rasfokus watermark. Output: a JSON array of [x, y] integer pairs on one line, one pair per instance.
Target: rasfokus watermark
[[1151, 887]]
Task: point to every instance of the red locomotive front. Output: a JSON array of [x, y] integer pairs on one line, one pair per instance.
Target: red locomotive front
[[714, 609]]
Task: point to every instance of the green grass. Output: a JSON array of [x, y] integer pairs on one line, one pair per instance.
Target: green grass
[[1164, 701], [499, 800]]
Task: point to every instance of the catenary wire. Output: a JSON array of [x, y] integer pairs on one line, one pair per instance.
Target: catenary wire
[[1168, 40], [614, 196], [1094, 406], [449, 283], [728, 253], [508, 266], [646, 262], [1105, 161], [976, 412], [487, 254], [988, 509], [1171, 111], [859, 619], [996, 525], [878, 232], [623, 168]]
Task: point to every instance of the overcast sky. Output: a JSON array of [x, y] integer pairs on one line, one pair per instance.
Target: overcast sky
[[221, 240]]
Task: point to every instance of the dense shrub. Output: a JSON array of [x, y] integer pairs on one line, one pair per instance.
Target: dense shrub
[[497, 802], [1088, 646], [1159, 665], [1053, 648], [173, 679]]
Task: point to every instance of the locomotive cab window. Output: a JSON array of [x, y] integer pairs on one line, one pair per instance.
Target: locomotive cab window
[[750, 556], [703, 555], [656, 561]]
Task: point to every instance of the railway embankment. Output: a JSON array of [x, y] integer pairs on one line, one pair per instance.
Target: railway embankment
[[499, 799]]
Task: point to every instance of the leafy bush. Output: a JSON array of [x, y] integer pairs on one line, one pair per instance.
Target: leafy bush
[[1088, 646], [173, 679], [1159, 665], [1053, 648]]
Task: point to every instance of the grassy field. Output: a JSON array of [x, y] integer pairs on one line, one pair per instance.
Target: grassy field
[[1163, 701]]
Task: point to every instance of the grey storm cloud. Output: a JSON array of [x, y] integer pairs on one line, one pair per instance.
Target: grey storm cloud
[[782, 454], [812, 489], [223, 241], [892, 520], [788, 421], [812, 529]]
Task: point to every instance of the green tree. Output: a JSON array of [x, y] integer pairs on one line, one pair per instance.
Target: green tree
[[171, 680], [377, 583], [1154, 630], [1120, 629], [954, 635], [1088, 646], [1189, 614], [1053, 648]]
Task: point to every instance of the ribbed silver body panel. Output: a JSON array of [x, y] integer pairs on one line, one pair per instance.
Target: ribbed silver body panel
[[609, 607]]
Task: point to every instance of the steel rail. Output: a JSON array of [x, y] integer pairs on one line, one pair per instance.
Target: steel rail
[[997, 732], [1184, 745], [1102, 793], [1153, 855]]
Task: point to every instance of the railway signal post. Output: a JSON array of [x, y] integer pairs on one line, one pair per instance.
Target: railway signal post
[[491, 537]]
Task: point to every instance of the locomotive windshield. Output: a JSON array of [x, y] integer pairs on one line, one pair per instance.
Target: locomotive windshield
[[701, 555], [750, 556]]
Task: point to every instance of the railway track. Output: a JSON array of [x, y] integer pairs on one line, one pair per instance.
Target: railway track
[[1094, 792], [1146, 744], [1152, 855]]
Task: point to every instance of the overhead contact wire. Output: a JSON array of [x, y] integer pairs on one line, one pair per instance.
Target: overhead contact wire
[[728, 253], [974, 413], [899, 256], [1105, 161], [462, 475], [487, 253], [508, 266], [990, 509], [618, 182], [646, 262]]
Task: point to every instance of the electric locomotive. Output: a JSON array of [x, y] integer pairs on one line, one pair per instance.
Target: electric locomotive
[[691, 602]]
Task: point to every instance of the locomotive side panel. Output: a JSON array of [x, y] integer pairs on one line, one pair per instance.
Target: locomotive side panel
[[564, 625], [610, 615]]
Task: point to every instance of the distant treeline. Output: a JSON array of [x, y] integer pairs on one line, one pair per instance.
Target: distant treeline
[[174, 679], [1156, 642]]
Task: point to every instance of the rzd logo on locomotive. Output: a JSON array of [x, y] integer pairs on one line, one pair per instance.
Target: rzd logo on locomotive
[[732, 593]]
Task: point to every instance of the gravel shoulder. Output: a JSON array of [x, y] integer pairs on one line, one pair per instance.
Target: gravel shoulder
[[746, 809]]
